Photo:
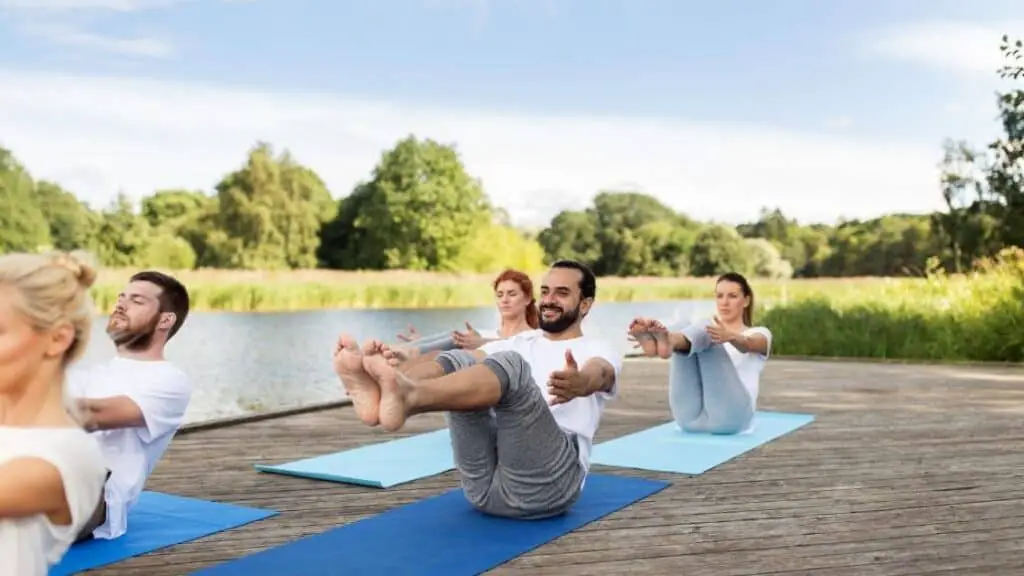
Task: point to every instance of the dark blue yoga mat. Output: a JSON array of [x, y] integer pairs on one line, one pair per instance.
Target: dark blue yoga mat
[[436, 536], [157, 521]]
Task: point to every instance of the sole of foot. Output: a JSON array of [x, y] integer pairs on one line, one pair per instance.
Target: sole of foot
[[648, 345], [391, 384], [359, 386], [663, 347]]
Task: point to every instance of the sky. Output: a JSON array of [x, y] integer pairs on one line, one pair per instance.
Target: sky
[[824, 109]]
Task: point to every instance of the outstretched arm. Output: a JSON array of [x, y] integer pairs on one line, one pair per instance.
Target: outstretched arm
[[109, 413], [599, 375], [756, 343], [30, 486]]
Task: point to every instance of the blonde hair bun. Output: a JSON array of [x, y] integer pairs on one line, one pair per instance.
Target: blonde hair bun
[[80, 264]]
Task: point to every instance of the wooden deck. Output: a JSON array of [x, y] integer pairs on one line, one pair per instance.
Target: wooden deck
[[908, 470]]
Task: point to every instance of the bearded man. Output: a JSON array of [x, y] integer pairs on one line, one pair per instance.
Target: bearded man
[[522, 412], [134, 403]]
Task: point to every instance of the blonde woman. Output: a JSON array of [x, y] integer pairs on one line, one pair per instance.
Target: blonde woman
[[51, 470]]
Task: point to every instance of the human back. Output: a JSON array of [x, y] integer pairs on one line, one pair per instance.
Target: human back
[[51, 471]]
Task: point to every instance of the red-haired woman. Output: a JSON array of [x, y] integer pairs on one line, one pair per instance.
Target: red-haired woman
[[513, 295]]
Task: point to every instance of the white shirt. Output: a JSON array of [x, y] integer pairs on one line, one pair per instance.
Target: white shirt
[[749, 365], [29, 546], [579, 415], [162, 392]]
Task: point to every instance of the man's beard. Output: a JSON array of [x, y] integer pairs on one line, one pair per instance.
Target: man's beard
[[133, 338], [562, 323]]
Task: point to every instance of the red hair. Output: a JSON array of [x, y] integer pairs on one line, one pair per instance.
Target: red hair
[[526, 285]]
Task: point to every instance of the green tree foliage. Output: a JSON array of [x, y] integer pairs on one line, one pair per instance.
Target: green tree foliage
[[418, 212]]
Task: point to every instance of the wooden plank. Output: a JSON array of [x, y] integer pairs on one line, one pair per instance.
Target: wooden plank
[[908, 469]]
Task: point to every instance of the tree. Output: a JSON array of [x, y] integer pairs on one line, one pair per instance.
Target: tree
[[268, 212], [23, 226], [416, 213], [719, 249]]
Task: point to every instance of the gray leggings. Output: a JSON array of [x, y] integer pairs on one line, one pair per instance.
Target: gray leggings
[[705, 393], [538, 473], [441, 341]]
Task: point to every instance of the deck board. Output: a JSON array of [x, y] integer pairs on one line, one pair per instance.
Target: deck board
[[908, 469]]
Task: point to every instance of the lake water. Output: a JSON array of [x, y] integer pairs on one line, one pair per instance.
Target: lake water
[[242, 363]]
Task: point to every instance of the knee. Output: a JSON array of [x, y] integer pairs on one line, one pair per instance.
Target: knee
[[512, 371], [453, 360]]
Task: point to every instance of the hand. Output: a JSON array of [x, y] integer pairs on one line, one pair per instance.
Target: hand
[[567, 383], [468, 340], [412, 335], [719, 333]]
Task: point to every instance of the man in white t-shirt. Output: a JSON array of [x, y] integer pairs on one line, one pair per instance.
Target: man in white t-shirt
[[134, 403], [522, 412]]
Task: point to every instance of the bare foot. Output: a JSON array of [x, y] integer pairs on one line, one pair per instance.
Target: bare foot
[[359, 385], [393, 386], [660, 334], [395, 355], [638, 328]]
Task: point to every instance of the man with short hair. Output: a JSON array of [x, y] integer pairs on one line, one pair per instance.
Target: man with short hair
[[522, 412], [135, 402]]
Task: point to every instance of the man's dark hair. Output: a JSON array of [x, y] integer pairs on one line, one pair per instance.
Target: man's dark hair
[[173, 296], [588, 282]]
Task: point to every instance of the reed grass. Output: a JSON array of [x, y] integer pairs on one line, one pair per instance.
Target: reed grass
[[244, 291], [973, 317]]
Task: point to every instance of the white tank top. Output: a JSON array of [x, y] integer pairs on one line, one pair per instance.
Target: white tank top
[[29, 546]]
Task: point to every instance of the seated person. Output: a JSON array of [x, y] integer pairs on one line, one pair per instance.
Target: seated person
[[51, 471], [522, 412], [714, 377], [134, 403], [513, 295]]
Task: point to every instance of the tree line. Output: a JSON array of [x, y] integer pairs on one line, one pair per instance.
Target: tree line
[[421, 210]]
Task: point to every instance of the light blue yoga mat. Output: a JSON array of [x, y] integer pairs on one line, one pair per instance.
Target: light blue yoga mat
[[666, 448], [157, 521], [381, 465]]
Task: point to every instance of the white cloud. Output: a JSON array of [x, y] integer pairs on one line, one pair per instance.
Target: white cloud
[[71, 5], [98, 136], [68, 36], [959, 47]]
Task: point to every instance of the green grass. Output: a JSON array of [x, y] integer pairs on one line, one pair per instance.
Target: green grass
[[975, 317], [972, 317], [236, 291]]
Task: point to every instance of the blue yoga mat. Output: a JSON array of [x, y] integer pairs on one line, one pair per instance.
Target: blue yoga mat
[[438, 535], [157, 521], [666, 448], [381, 465]]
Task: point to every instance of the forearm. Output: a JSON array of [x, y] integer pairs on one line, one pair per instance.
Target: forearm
[[750, 343], [108, 413], [600, 377], [679, 342], [423, 366]]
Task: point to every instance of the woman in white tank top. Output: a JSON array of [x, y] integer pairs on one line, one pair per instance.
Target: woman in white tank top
[[516, 304], [716, 364], [51, 470]]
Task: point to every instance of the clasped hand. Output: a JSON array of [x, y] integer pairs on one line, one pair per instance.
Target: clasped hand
[[567, 383]]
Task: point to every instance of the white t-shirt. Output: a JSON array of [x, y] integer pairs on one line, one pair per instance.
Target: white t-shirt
[[488, 334], [162, 392], [579, 415], [749, 365], [29, 546]]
